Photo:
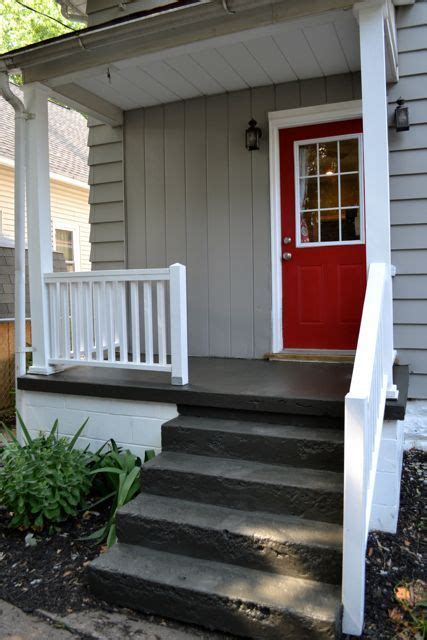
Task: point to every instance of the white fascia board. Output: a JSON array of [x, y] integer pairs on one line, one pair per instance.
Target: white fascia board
[[7, 162]]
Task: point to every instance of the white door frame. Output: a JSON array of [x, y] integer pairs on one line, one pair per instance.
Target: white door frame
[[288, 118]]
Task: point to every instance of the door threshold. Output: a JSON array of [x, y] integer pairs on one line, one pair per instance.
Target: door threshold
[[313, 355]]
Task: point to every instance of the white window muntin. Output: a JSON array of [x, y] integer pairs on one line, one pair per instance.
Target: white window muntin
[[297, 145]]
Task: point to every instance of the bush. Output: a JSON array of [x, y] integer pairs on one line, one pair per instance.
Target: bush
[[44, 481], [117, 478]]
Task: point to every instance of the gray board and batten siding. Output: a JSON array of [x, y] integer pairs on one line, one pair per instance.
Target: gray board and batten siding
[[193, 194], [408, 192]]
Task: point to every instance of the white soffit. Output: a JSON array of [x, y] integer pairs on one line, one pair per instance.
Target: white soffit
[[322, 45]]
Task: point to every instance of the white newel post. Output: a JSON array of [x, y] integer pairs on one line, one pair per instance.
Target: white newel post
[[372, 15], [178, 319], [39, 222]]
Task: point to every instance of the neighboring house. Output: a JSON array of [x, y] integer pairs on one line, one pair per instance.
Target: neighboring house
[[68, 181], [70, 216], [243, 154]]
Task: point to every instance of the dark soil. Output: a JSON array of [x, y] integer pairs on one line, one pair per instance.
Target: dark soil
[[395, 571], [50, 574]]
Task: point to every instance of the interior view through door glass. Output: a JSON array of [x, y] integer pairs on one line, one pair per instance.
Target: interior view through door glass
[[329, 191]]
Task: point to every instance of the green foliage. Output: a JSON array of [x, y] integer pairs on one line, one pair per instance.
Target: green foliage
[[20, 26], [45, 480], [117, 476]]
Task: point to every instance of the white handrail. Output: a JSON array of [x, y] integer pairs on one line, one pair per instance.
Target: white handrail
[[96, 316], [364, 415]]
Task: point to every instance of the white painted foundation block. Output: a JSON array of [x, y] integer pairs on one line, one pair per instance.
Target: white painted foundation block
[[385, 506], [134, 425]]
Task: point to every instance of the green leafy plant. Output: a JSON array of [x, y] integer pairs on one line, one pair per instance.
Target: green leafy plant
[[117, 478], [45, 480]]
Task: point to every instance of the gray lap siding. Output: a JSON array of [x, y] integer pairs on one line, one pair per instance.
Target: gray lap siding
[[408, 194]]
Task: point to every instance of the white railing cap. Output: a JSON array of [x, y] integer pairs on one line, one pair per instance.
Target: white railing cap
[[108, 275]]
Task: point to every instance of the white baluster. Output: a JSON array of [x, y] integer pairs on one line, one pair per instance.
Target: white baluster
[[99, 323], [122, 320], [65, 320], [109, 303], [75, 321], [161, 322], [53, 320], [88, 320], [148, 323], [134, 305]]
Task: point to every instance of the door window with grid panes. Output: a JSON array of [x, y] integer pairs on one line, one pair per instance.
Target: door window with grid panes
[[329, 206]]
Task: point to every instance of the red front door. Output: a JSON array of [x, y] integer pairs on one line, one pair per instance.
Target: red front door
[[323, 245]]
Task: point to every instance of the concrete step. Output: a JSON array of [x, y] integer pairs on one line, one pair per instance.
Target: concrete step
[[279, 544], [308, 447], [318, 420], [228, 598], [310, 493]]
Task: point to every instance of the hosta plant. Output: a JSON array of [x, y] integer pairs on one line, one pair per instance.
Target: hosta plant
[[45, 480]]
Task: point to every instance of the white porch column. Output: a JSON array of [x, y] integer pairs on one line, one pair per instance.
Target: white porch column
[[372, 15], [39, 222]]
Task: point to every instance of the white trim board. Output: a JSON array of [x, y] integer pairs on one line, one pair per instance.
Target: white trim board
[[286, 119]]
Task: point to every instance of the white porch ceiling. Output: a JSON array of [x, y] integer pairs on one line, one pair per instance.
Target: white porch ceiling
[[321, 45]]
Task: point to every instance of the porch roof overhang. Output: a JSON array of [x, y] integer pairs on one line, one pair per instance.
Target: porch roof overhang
[[193, 50]]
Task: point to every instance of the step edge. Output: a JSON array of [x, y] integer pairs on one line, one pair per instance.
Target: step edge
[[127, 512], [285, 435], [160, 463], [215, 566]]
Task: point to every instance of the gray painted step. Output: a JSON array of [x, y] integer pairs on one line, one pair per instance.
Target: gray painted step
[[278, 544], [270, 417], [308, 447], [225, 597], [241, 484]]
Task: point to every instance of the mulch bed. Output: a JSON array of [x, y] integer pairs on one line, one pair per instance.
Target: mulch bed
[[51, 574], [395, 571]]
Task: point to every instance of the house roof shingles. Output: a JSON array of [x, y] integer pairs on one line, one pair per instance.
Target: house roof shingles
[[68, 150]]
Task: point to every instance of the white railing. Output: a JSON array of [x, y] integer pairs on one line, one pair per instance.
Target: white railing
[[134, 319], [364, 415]]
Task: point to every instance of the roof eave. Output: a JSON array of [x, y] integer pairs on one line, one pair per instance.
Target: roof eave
[[123, 38]]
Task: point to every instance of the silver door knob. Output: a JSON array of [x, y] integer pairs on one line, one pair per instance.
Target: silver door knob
[[287, 256], [287, 240]]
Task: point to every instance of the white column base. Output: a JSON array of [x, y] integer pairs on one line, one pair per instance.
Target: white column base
[[44, 371]]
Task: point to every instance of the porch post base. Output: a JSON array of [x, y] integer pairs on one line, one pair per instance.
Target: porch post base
[[392, 392], [179, 381], [44, 371]]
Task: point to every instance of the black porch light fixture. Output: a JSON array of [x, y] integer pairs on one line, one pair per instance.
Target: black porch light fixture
[[253, 136], [401, 116]]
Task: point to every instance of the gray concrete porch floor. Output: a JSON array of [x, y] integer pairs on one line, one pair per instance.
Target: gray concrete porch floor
[[284, 387], [223, 383]]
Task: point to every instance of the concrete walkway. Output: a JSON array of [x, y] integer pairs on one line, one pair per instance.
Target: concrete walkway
[[17, 625], [93, 625]]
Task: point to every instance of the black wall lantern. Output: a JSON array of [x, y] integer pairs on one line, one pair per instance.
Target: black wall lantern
[[253, 136], [401, 116]]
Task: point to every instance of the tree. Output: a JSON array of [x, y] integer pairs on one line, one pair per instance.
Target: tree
[[20, 26]]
